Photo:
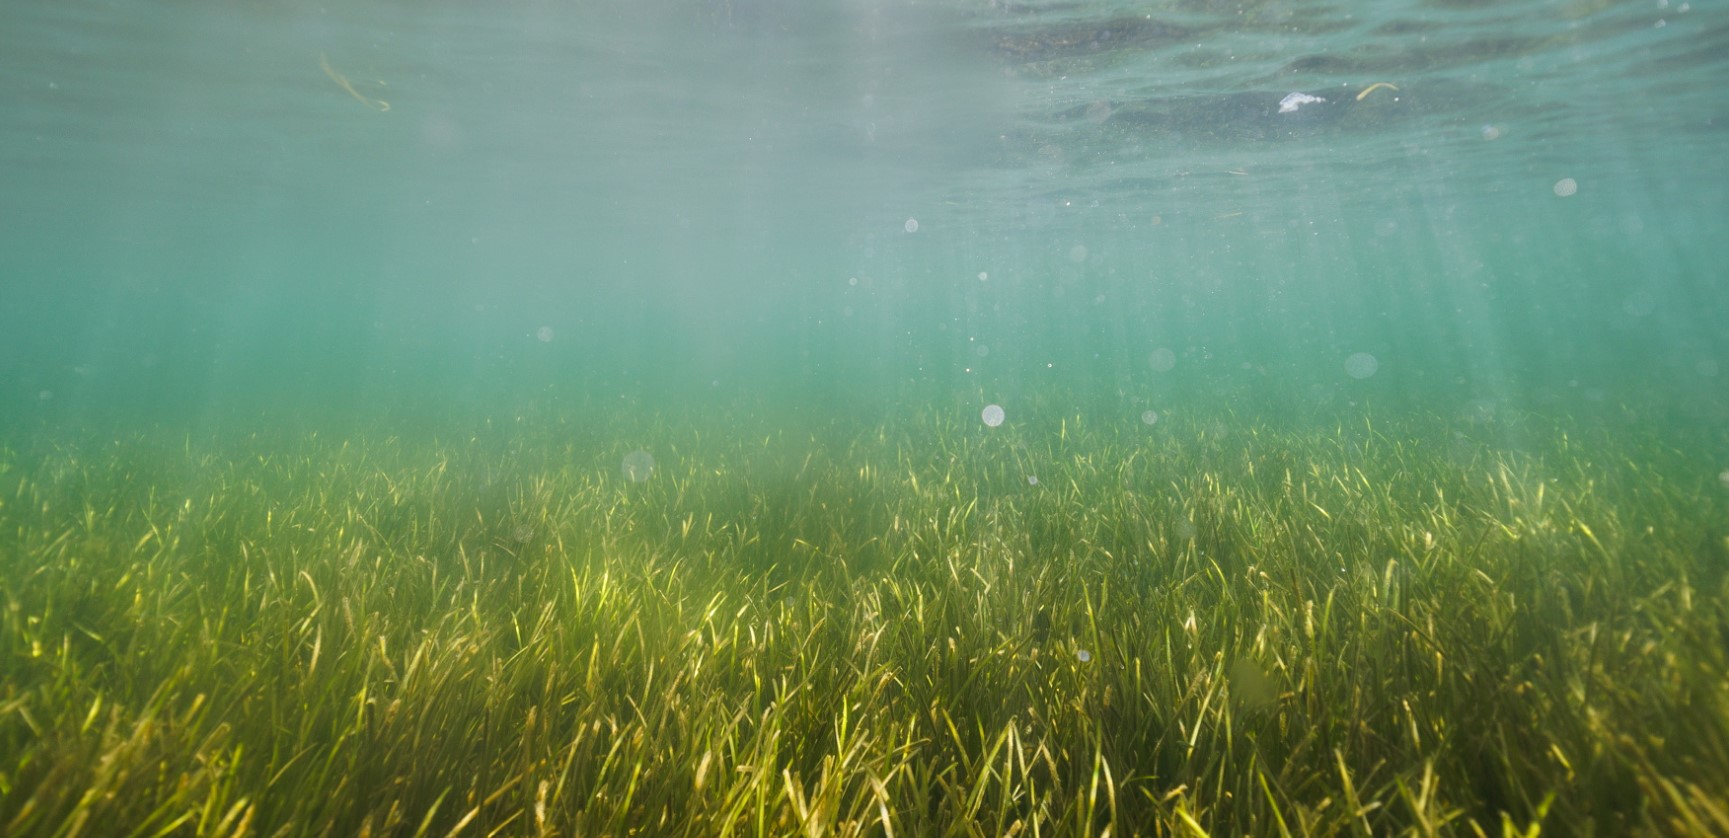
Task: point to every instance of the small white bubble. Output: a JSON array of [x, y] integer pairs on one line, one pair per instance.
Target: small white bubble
[[1565, 187], [981, 350], [544, 333], [992, 415], [1491, 132], [1032, 480], [638, 466], [1084, 656], [1361, 365], [984, 276], [1162, 359], [912, 225], [1149, 417], [852, 280]]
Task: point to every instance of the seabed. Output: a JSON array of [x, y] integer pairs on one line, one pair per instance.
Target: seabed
[[1205, 626]]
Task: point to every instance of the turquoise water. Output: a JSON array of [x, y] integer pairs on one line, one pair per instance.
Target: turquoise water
[[633, 416], [217, 212]]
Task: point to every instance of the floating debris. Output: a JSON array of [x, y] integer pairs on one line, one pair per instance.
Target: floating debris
[[1293, 101], [342, 81], [1374, 87]]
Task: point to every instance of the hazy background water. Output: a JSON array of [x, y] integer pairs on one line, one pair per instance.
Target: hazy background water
[[211, 211]]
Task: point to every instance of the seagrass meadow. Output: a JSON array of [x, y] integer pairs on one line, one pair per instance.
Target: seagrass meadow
[[719, 625], [879, 418]]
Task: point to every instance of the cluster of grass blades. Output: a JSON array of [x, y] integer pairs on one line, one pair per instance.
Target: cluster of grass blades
[[934, 628]]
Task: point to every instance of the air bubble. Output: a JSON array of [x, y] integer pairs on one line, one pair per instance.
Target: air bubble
[[638, 466], [1361, 365], [1162, 359]]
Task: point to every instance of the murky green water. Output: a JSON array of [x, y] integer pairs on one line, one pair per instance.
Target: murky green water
[[212, 210]]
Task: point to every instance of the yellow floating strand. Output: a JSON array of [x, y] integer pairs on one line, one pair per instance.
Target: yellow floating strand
[[342, 81], [1373, 87]]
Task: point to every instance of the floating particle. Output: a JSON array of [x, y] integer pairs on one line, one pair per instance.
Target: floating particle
[[1032, 480], [1162, 359], [1083, 656], [545, 334], [992, 415], [981, 350], [1078, 254], [983, 276], [1361, 365], [912, 225], [1293, 101], [1491, 132], [1149, 417], [638, 466], [1565, 187]]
